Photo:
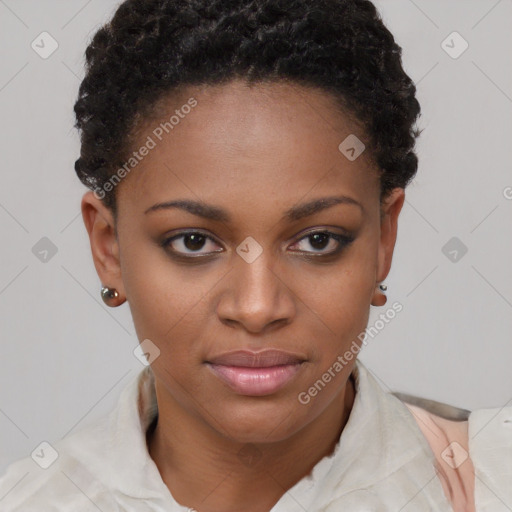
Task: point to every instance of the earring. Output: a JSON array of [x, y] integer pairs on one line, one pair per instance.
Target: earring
[[110, 296], [379, 298]]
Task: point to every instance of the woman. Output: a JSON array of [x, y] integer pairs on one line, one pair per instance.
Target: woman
[[247, 162]]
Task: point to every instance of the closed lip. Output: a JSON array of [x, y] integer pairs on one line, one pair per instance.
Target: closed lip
[[262, 359]]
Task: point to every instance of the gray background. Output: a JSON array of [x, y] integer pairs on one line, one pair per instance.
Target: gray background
[[66, 356]]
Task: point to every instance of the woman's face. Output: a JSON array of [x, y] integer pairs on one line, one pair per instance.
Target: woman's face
[[262, 170]]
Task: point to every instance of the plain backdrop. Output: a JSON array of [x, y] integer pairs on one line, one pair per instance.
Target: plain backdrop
[[65, 356]]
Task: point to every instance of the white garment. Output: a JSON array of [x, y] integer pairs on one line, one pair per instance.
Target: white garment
[[381, 463]]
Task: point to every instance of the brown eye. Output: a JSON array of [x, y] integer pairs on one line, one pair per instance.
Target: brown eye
[[319, 240], [194, 242], [191, 243], [323, 242]]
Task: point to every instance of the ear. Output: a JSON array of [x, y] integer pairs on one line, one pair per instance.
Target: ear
[[390, 210], [100, 224]]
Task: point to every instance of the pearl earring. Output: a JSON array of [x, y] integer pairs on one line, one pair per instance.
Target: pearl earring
[[109, 295]]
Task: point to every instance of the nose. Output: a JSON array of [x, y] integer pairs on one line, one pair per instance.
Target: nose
[[256, 296]]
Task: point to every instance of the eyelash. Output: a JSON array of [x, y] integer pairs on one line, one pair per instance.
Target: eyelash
[[342, 240]]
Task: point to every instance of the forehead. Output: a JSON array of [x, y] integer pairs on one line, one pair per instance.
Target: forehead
[[269, 142]]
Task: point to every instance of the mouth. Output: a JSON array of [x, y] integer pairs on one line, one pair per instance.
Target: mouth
[[256, 373]]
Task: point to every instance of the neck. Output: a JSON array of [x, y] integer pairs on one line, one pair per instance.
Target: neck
[[211, 473]]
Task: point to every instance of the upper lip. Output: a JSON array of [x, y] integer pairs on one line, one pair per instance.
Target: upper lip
[[262, 359]]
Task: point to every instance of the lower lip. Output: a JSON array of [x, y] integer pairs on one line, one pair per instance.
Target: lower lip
[[255, 381]]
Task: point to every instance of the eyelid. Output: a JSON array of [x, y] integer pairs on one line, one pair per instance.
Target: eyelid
[[323, 229], [343, 239], [165, 243]]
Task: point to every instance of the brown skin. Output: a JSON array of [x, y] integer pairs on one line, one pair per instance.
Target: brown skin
[[255, 152]]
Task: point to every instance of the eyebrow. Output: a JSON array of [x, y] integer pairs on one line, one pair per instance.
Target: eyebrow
[[211, 212]]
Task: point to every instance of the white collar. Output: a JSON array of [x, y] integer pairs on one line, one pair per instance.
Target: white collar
[[382, 462], [381, 449]]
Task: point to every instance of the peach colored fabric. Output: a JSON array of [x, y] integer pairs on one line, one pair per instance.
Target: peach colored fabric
[[449, 442]]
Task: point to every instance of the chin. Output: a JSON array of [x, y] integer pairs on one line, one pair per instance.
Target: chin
[[270, 423]]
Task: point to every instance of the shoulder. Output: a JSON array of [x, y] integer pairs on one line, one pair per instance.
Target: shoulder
[[449, 442], [67, 474], [94, 467], [91, 468], [472, 450], [490, 448]]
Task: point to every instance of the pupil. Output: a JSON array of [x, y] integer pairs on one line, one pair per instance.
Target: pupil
[[194, 242], [318, 240]]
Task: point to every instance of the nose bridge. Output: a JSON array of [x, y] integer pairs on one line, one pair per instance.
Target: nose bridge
[[256, 277], [257, 296]]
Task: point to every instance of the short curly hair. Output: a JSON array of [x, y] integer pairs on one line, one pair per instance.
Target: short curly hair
[[151, 48]]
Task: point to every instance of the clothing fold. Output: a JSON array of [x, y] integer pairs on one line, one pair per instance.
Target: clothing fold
[[382, 462]]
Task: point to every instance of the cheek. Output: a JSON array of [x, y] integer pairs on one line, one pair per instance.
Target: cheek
[[171, 304], [341, 301], [160, 297], [350, 296]]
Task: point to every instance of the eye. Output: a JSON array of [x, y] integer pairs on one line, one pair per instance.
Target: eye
[[190, 243], [323, 243]]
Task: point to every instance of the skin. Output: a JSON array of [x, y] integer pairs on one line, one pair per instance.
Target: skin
[[255, 152]]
